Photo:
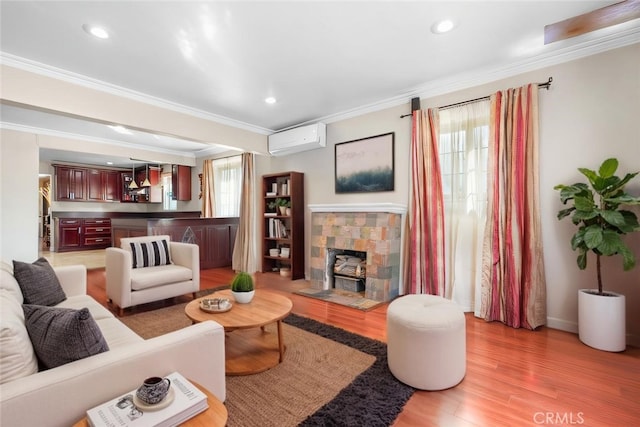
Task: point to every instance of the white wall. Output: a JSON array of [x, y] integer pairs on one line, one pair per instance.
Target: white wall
[[590, 113], [18, 196]]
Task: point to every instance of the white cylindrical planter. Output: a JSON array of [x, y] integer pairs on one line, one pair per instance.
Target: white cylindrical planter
[[601, 320]]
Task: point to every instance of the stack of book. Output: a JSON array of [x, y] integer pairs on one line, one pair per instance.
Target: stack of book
[[277, 229], [286, 189], [188, 401]]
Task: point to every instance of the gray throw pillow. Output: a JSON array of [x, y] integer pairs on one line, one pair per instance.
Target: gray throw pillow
[[62, 335], [38, 282]]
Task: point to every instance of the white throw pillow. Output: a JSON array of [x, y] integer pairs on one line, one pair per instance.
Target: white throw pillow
[[8, 282], [17, 358]]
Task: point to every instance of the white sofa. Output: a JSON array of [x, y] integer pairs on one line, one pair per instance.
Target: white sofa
[[61, 396], [128, 286]]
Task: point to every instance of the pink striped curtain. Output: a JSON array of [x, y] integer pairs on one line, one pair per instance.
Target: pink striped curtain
[[427, 208], [513, 281]]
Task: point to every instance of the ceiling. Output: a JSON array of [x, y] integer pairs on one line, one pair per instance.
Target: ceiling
[[321, 60]]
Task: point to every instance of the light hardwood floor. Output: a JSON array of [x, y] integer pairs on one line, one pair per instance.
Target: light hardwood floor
[[514, 377]]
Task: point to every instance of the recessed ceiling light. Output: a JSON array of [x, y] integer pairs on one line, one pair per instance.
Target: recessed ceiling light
[[121, 129], [95, 31], [443, 26], [270, 100], [109, 163]]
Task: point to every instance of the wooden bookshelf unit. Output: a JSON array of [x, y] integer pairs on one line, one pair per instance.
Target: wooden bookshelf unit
[[283, 230]]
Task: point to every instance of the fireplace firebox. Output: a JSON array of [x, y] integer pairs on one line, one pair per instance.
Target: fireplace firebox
[[347, 269]]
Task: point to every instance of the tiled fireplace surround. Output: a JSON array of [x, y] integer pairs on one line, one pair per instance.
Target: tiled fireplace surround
[[375, 229]]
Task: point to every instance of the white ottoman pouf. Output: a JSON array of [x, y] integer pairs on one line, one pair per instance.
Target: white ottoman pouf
[[426, 341]]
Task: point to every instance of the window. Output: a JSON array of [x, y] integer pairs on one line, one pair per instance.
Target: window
[[227, 179], [168, 204], [463, 147]]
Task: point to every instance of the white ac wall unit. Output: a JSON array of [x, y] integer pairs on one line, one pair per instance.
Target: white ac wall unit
[[298, 139]]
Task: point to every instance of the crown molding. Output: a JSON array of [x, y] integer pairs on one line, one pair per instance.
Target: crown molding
[[104, 141], [480, 77], [213, 150], [95, 84]]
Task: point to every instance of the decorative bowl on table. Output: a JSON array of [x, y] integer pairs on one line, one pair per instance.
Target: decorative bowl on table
[[215, 305]]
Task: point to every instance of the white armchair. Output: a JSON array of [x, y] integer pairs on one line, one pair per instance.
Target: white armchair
[[156, 275]]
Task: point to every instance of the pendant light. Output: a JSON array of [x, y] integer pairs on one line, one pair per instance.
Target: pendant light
[[132, 184], [146, 182]]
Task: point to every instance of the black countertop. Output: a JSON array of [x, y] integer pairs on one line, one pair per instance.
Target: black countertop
[[126, 215]]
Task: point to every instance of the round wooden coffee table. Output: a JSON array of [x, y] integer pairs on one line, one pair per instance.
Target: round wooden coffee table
[[249, 348]]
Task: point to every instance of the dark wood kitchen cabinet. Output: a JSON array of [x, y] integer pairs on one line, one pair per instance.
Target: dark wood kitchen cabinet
[[86, 184], [112, 186], [69, 234], [75, 234], [103, 185], [181, 182], [71, 183], [96, 233]]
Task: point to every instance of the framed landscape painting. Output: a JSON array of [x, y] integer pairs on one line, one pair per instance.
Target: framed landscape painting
[[365, 165]]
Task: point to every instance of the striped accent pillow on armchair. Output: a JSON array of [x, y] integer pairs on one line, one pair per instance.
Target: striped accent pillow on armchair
[[150, 254]]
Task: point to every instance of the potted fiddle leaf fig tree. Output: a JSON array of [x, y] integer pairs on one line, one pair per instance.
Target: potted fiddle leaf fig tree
[[242, 288], [596, 208]]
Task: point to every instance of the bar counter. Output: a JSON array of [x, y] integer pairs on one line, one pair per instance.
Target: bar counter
[[214, 236]]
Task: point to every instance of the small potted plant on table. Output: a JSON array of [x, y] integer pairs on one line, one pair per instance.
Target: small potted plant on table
[[242, 288], [595, 208]]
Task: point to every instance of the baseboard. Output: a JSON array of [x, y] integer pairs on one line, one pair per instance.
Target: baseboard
[[633, 340], [563, 325]]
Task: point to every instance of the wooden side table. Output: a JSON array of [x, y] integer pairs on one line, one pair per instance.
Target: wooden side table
[[214, 416]]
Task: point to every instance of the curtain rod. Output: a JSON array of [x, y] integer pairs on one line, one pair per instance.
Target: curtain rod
[[544, 85], [225, 157]]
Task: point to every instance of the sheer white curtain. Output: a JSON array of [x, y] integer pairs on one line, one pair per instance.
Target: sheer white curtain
[[227, 183], [463, 151]]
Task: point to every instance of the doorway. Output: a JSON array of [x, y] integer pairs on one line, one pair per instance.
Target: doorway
[[44, 213]]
